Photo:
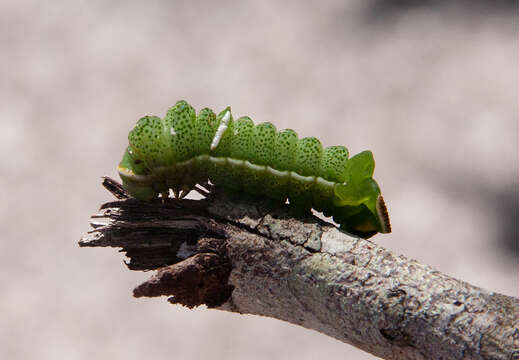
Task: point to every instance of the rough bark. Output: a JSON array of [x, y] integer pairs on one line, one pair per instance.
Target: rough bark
[[258, 257]]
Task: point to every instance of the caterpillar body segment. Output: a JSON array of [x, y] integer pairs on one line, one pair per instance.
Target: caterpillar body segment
[[185, 149]]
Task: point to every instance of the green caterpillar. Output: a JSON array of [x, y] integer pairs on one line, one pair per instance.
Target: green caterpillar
[[185, 149]]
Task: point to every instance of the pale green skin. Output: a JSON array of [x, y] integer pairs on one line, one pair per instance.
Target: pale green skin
[[181, 150]]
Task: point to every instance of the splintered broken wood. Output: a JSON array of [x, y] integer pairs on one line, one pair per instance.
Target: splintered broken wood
[[245, 255]]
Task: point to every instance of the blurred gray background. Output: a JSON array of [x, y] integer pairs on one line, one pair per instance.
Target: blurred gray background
[[429, 87]]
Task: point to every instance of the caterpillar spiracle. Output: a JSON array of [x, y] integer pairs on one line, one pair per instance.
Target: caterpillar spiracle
[[184, 149]]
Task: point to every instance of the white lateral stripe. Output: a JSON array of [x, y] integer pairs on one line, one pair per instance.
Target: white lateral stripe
[[221, 129], [234, 162], [277, 173], [323, 182], [254, 167], [303, 179], [217, 160]]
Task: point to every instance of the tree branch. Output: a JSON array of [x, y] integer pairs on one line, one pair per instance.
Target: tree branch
[[260, 257]]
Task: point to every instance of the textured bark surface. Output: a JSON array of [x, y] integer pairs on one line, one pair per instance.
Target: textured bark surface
[[258, 257]]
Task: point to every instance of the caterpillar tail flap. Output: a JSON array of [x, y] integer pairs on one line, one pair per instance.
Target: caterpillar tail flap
[[364, 196], [360, 190]]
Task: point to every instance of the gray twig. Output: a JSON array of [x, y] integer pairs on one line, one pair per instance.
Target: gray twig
[[258, 257]]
